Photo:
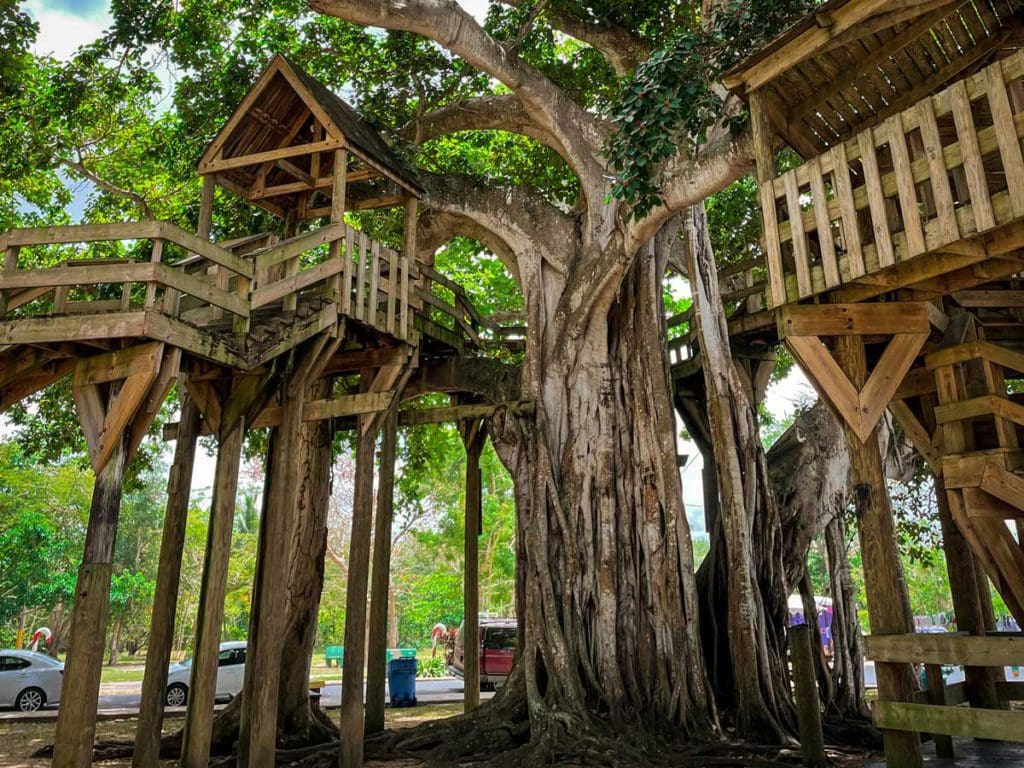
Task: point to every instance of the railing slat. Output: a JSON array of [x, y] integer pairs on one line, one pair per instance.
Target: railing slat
[[392, 291], [773, 246], [974, 168], [820, 202], [847, 211], [949, 231], [798, 237], [876, 199], [349, 265], [403, 329], [912, 226], [361, 279], [1006, 135], [374, 283]]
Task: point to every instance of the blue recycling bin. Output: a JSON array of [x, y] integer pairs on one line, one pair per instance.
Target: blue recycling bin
[[402, 682]]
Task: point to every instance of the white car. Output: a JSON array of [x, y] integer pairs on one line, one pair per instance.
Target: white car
[[29, 680], [230, 675]]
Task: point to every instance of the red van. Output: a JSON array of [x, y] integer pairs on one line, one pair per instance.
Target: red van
[[497, 652]]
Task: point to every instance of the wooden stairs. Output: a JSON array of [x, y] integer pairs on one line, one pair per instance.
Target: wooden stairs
[[979, 428]]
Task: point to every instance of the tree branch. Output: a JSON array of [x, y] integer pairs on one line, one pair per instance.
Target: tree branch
[[134, 197], [506, 219], [686, 181], [445, 22], [503, 112], [623, 49]]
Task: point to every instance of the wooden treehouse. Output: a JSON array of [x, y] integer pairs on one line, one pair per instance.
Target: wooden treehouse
[[315, 321], [894, 255]]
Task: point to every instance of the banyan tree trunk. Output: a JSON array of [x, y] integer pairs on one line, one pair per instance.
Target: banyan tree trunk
[[610, 608], [299, 722], [847, 645], [742, 580]]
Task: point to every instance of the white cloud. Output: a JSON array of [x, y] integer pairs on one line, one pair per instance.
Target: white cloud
[[61, 32]]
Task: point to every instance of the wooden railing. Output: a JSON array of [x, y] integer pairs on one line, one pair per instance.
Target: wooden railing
[[444, 304], [88, 286], [743, 287], [939, 714], [369, 282], [925, 178]]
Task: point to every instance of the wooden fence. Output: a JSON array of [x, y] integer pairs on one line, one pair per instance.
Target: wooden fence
[[940, 713]]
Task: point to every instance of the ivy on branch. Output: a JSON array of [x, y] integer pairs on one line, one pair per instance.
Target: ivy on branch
[[671, 100]]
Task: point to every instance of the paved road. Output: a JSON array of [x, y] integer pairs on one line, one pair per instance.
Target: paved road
[[122, 699], [127, 695]]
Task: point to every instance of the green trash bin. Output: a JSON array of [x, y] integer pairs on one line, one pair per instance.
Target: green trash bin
[[334, 654]]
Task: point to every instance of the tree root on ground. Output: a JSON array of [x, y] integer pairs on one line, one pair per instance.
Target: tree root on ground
[[484, 740], [317, 732]]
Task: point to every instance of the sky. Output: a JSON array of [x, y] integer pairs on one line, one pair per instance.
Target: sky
[[67, 24]]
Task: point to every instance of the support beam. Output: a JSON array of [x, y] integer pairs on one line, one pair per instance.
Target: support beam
[[257, 734], [165, 600], [376, 671], [888, 604], [350, 753], [474, 435], [76, 718], [195, 748], [967, 606]]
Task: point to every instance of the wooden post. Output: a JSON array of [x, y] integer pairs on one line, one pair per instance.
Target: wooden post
[[408, 257], [195, 747], [350, 753], [805, 684], [937, 697], [376, 670], [257, 733], [76, 718], [165, 600], [888, 606], [474, 436], [280, 271], [205, 225], [967, 605], [339, 248]]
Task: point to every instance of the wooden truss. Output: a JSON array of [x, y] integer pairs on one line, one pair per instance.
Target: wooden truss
[[803, 328], [118, 394]]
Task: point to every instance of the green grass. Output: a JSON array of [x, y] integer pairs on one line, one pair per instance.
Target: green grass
[[122, 674]]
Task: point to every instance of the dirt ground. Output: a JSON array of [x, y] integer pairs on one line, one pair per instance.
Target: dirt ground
[[18, 740]]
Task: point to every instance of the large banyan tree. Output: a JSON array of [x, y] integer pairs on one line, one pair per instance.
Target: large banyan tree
[[577, 141], [610, 601]]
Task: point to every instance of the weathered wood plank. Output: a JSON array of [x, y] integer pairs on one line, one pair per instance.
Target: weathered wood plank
[[848, 213], [949, 230], [981, 203], [291, 285], [876, 199], [946, 649], [801, 255], [361, 277], [912, 227], [298, 245], [821, 216], [954, 721], [859, 319]]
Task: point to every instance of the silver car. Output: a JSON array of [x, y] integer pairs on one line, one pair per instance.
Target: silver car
[[230, 675], [29, 680]]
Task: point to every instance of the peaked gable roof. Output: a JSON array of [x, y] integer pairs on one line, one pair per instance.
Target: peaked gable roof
[[278, 114]]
